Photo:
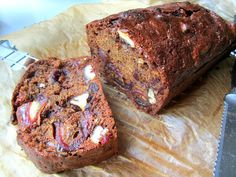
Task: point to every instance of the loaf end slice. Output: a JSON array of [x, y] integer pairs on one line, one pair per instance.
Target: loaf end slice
[[63, 119], [153, 54]]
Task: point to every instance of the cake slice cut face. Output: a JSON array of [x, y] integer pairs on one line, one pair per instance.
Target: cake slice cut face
[[64, 121], [153, 54]]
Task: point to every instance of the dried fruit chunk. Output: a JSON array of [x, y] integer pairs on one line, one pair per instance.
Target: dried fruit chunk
[[98, 133], [29, 113], [106, 138], [93, 88], [80, 100], [68, 135], [59, 136]]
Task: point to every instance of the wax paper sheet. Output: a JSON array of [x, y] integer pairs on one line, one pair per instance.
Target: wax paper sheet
[[180, 141]]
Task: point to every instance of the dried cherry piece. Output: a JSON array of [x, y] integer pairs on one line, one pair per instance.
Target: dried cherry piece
[[141, 102], [29, 113], [140, 98], [103, 56], [93, 88], [105, 139], [68, 135], [59, 136]]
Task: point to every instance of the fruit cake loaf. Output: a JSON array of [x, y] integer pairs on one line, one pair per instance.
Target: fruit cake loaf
[[63, 118], [153, 54]]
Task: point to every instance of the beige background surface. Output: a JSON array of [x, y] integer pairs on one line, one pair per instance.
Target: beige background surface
[[180, 141]]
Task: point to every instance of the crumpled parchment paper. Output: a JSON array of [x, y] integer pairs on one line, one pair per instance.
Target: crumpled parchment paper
[[180, 141]]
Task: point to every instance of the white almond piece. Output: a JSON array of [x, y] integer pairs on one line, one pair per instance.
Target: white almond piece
[[151, 96], [125, 37], [80, 100], [184, 27], [88, 73], [41, 85], [98, 133], [33, 110], [140, 61]]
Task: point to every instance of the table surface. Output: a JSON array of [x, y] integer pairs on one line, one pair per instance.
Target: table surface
[[17, 14]]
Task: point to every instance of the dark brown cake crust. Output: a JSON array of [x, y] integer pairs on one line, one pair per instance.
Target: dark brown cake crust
[[63, 118], [153, 54]]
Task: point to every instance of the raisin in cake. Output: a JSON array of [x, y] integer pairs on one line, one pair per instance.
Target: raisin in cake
[[153, 54], [63, 118]]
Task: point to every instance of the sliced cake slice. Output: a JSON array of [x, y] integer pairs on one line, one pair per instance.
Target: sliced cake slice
[[64, 121]]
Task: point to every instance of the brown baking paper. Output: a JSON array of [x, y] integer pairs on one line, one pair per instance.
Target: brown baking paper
[[180, 141]]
